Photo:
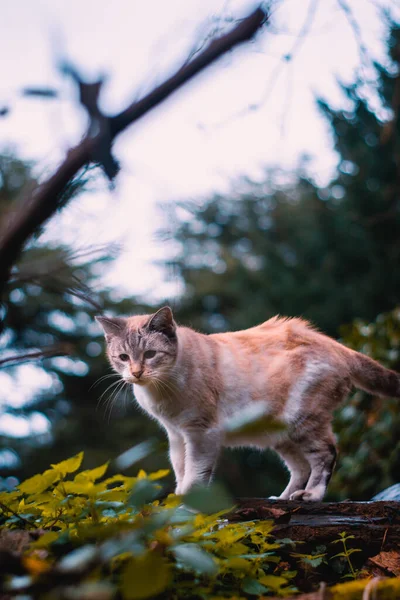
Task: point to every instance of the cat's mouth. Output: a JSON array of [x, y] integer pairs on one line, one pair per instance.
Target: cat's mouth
[[135, 380]]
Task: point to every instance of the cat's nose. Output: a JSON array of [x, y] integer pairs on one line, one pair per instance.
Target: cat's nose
[[137, 374]]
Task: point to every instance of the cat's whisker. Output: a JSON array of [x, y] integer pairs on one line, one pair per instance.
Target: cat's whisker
[[102, 378], [168, 386], [112, 385], [113, 398]]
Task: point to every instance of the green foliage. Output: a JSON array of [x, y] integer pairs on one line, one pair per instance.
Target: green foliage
[[346, 555], [369, 446], [51, 300], [97, 531], [94, 536], [331, 254]]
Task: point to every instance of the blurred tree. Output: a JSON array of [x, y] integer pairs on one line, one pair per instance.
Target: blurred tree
[[369, 427], [286, 246], [49, 303]]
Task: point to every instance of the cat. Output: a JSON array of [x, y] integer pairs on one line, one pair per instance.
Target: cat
[[191, 383]]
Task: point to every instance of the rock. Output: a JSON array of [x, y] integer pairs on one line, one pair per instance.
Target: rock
[[391, 493]]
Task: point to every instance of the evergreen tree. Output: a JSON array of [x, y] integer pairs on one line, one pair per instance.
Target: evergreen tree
[[326, 254], [330, 255], [49, 303]]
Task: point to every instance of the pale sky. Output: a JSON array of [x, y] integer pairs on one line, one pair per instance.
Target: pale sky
[[203, 138]]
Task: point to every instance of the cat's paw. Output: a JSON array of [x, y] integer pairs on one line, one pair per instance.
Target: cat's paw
[[302, 495], [273, 497]]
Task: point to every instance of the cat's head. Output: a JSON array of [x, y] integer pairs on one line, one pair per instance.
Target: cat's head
[[143, 348]]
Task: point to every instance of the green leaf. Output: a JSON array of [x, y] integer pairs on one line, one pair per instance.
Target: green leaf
[[196, 559], [135, 454], [252, 420], [253, 587], [145, 577], [209, 500], [144, 492], [70, 465]]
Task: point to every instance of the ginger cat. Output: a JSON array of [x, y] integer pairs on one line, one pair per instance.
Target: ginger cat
[[191, 383]]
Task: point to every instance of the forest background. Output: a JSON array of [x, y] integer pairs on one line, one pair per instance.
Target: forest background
[[279, 242]]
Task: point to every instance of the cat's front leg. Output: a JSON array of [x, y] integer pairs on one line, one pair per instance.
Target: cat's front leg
[[177, 457], [202, 447]]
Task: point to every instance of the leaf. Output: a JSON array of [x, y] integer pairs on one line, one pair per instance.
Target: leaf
[[92, 474], [253, 587], [196, 559], [70, 465], [237, 562], [78, 560], [252, 420], [209, 500], [145, 577], [159, 474], [273, 581], [45, 540], [144, 492], [135, 454], [35, 566], [38, 483]]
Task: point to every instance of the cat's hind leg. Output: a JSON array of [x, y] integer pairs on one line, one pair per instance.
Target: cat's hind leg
[[298, 466], [321, 455]]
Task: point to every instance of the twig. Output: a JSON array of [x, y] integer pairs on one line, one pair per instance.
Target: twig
[[59, 350], [362, 49], [6, 508], [43, 202], [284, 58]]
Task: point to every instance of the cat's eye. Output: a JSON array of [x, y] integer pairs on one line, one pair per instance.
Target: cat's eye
[[149, 353], [124, 357]]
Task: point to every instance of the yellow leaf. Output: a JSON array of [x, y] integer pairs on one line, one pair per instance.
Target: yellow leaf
[[145, 577], [77, 487], [38, 483], [116, 495], [235, 549], [39, 499], [70, 465], [264, 527], [35, 566], [159, 474], [126, 482], [6, 497], [142, 474], [45, 539], [273, 581], [236, 562], [92, 474]]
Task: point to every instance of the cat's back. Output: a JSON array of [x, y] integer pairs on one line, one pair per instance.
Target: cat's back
[[278, 333]]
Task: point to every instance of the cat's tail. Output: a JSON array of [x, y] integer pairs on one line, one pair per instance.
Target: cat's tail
[[370, 376]]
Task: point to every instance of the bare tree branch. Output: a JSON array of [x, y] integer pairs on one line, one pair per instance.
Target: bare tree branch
[[276, 72], [35, 209], [50, 352]]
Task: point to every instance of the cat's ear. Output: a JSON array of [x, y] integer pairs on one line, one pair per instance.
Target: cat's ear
[[163, 322], [112, 326]]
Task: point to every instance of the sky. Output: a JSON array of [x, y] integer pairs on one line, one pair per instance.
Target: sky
[[249, 111], [205, 136]]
